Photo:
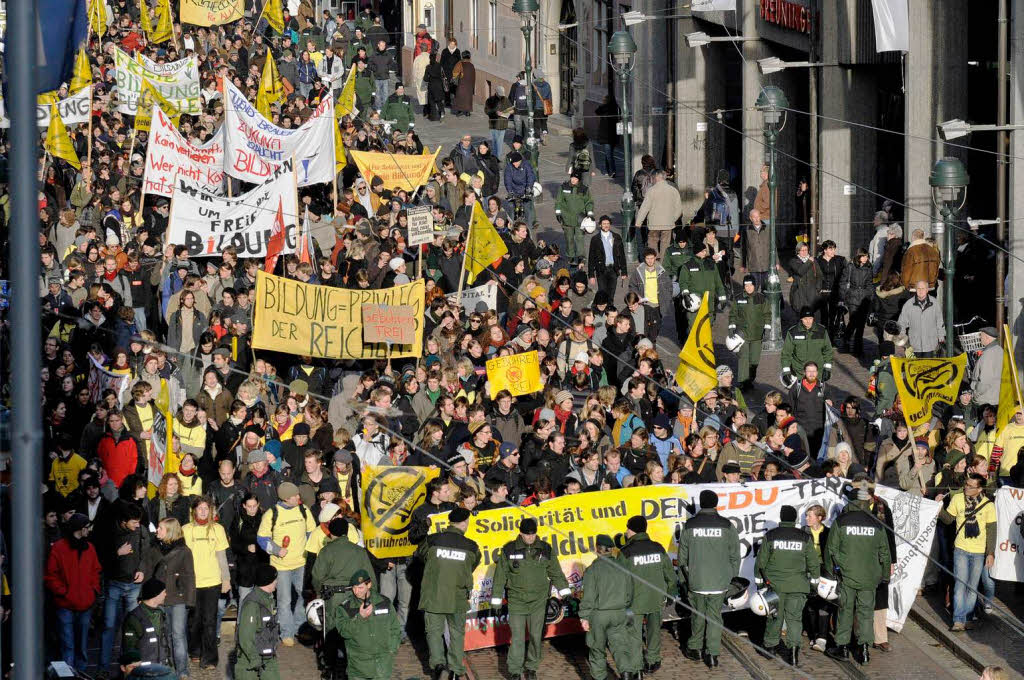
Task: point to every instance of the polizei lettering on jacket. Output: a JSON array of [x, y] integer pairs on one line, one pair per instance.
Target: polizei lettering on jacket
[[707, 533], [639, 560], [860, 531], [449, 554], [787, 545]]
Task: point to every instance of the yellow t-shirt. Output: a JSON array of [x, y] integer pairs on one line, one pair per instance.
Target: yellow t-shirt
[[1010, 440], [651, 286], [64, 474], [317, 539], [986, 442], [205, 542], [985, 515], [191, 485], [290, 524]]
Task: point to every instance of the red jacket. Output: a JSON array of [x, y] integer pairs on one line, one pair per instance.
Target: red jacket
[[72, 576], [120, 456], [424, 43]]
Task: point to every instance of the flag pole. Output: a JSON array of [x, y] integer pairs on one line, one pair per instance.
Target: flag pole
[[465, 256], [1013, 364], [92, 90], [255, 25]]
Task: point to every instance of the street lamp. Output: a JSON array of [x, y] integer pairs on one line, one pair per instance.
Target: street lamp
[[956, 128], [623, 52], [772, 104], [527, 11], [949, 182]]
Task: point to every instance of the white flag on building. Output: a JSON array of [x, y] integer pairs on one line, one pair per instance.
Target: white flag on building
[[712, 5], [892, 25]]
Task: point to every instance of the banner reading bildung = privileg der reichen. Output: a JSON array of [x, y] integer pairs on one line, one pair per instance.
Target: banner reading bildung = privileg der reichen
[[571, 524]]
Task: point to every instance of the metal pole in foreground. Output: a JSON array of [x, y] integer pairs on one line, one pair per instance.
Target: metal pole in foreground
[[26, 439], [950, 275], [772, 104], [527, 11], [623, 50]]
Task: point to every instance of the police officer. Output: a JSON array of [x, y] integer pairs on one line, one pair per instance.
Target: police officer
[[335, 565], [655, 578], [370, 626], [709, 558], [449, 559], [146, 629], [857, 552], [699, 276], [805, 342], [786, 561], [749, 318], [574, 203], [258, 631], [606, 615], [527, 566]]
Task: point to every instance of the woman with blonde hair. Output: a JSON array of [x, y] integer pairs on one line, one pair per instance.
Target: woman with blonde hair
[[208, 542], [176, 569]]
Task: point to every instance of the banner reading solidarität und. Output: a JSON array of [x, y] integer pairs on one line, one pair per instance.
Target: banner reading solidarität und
[[327, 322], [390, 495], [207, 223], [571, 524]]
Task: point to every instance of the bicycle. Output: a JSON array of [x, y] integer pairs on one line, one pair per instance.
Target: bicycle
[[970, 341], [519, 202]]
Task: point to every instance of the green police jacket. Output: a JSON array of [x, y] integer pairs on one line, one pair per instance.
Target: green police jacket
[[528, 572], [449, 559], [573, 204], [648, 561], [337, 561], [675, 258], [364, 87], [858, 546], [606, 587], [258, 630], [399, 109], [709, 552], [147, 630], [787, 560], [802, 345], [699, 276], [750, 316], [371, 642]]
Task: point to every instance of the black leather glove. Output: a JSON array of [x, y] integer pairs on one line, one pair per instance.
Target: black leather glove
[[826, 374], [720, 306]]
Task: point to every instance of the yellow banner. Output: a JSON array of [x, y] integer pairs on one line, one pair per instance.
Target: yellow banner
[[145, 21], [58, 144], [150, 95], [1009, 385], [390, 494], [483, 244], [921, 383], [82, 75], [519, 374], [346, 104], [273, 12], [327, 322], [696, 373], [97, 10], [211, 12], [163, 29], [270, 89], [405, 172]]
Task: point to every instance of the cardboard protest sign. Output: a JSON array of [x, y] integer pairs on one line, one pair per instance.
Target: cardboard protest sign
[[471, 296], [169, 155], [388, 324], [390, 495], [519, 374], [327, 322], [421, 225]]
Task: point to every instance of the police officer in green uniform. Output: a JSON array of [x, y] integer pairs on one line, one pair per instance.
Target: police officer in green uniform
[[749, 318], [709, 558], [699, 276], [146, 628], [337, 561], [574, 203], [449, 559], [857, 552], [655, 578], [786, 563], [804, 342], [399, 109], [258, 631], [528, 568], [606, 615], [370, 626], [673, 260]]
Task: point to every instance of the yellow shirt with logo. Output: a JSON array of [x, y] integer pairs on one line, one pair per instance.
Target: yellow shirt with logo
[[64, 473], [1010, 440], [986, 515], [205, 541], [191, 485], [651, 286], [290, 524]]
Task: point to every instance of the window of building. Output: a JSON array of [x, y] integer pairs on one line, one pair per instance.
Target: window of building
[[428, 15], [602, 34], [475, 22], [492, 27]]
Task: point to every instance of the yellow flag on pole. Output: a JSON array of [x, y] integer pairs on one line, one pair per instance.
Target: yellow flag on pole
[[82, 75], [58, 144], [1009, 384], [696, 372], [921, 383], [270, 90], [148, 97], [97, 11], [483, 245], [145, 21], [340, 161], [163, 30], [346, 104], [273, 12]]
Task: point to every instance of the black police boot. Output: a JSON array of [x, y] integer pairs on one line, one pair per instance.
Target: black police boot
[[693, 654], [711, 660], [437, 673], [861, 654], [766, 651], [838, 652], [517, 676], [652, 667], [792, 656]]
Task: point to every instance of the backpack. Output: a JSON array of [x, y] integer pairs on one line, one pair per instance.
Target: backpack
[[273, 516], [582, 160], [719, 206]]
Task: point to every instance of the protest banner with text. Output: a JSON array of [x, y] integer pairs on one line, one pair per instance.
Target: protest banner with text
[[403, 171], [73, 110], [169, 156], [178, 83], [388, 324], [211, 12], [488, 294], [519, 374]]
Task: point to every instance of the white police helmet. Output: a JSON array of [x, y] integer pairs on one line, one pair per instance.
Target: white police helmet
[[734, 342], [588, 225], [765, 602], [315, 613]]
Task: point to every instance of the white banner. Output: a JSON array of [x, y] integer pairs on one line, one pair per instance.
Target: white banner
[[914, 519], [168, 68], [255, 146], [207, 224], [169, 155], [486, 294], [177, 82], [1009, 565], [73, 110], [892, 25]]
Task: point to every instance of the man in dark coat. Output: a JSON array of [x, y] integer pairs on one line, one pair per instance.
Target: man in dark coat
[[465, 73]]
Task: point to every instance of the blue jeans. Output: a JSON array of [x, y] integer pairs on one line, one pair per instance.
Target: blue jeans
[[382, 89], [121, 598], [290, 610], [608, 153], [140, 318], [967, 568], [74, 637], [988, 588], [177, 616], [497, 142]]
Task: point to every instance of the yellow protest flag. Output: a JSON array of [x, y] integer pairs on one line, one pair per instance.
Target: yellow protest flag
[[483, 244], [97, 11], [397, 170], [145, 21], [346, 104], [58, 144], [148, 97], [390, 495], [47, 98], [273, 12], [340, 160], [82, 75], [270, 89], [519, 374], [696, 372], [164, 29], [1009, 384], [922, 383]]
